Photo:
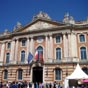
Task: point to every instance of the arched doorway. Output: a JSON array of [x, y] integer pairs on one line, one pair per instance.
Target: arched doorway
[[37, 74]]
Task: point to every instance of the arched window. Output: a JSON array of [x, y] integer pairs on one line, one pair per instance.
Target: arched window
[[82, 38], [57, 74], [58, 53], [20, 74], [22, 56], [83, 53], [5, 74], [85, 70], [40, 53], [7, 58]]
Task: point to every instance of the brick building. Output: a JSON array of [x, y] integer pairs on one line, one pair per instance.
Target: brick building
[[62, 44]]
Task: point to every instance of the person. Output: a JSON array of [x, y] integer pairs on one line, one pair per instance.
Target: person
[[1, 85], [50, 85], [13, 85], [59, 86], [83, 86], [30, 85]]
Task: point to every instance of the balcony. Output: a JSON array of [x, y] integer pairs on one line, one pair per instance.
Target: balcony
[[66, 60], [13, 63], [49, 60]]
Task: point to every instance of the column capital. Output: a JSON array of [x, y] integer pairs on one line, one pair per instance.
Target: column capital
[[16, 38]]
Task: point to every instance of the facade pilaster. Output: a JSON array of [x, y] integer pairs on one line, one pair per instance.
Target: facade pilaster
[[16, 50], [65, 43], [2, 52], [32, 45], [51, 46], [73, 45], [69, 45], [46, 51], [48, 48], [12, 50], [28, 48]]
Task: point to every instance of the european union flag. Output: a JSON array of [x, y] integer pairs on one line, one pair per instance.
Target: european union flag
[[30, 56]]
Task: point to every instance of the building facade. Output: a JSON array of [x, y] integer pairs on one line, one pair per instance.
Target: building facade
[[62, 45]]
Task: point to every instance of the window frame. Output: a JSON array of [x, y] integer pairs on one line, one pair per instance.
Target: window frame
[[22, 60], [23, 42], [80, 40], [58, 59], [20, 75], [9, 45], [59, 74], [5, 75], [40, 52], [7, 58], [83, 53], [60, 39]]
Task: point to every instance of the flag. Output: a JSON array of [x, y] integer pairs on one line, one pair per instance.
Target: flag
[[36, 55], [41, 57], [30, 56]]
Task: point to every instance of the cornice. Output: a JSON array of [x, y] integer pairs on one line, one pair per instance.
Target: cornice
[[65, 28]]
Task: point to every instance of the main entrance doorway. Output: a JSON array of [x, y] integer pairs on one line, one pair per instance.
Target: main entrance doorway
[[37, 74]]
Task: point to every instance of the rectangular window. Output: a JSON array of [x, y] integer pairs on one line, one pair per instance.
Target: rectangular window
[[23, 42], [58, 54], [7, 57], [58, 39], [22, 56], [19, 74], [82, 38], [58, 74], [5, 74], [9, 45]]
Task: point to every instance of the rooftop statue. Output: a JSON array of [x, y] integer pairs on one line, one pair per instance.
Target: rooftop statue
[[41, 15]]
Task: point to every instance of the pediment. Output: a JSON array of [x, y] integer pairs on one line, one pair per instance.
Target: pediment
[[39, 25]]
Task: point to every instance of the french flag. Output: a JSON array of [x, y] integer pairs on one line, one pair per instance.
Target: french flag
[[36, 55], [41, 57]]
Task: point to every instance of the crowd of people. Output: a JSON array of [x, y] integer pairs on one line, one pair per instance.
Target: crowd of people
[[26, 84]]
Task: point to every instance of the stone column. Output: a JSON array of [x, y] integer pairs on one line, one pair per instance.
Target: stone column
[[74, 45], [32, 45], [46, 50], [2, 52], [65, 43], [16, 50], [51, 47], [28, 48], [12, 56], [69, 45]]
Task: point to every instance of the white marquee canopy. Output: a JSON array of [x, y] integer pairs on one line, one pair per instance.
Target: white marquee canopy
[[77, 74]]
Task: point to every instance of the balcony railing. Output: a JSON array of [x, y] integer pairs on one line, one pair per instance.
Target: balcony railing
[[66, 60]]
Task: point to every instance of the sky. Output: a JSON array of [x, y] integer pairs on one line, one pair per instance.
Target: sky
[[13, 11]]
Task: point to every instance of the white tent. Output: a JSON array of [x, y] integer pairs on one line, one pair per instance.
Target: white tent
[[77, 74]]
